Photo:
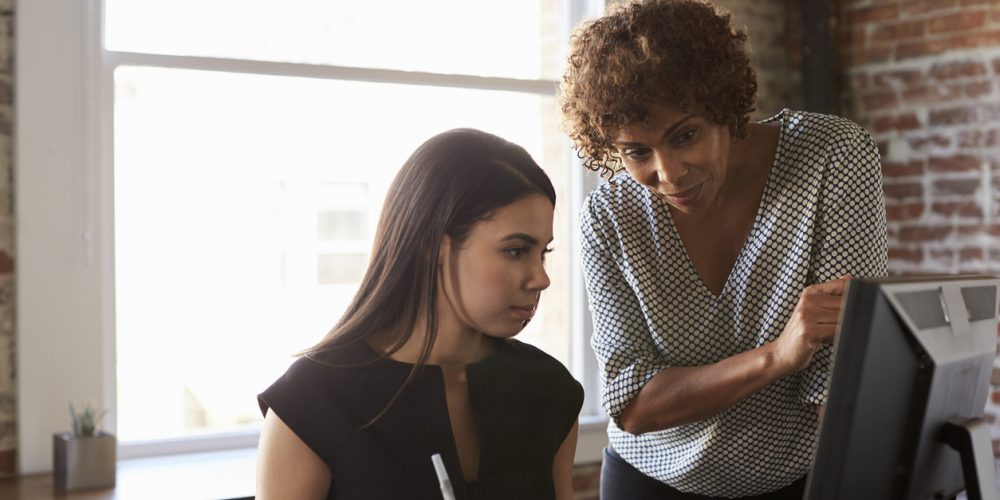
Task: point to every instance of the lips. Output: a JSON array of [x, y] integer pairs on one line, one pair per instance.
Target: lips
[[525, 312], [686, 197]]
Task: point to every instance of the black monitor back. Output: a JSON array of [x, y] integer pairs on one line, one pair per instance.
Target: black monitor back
[[911, 354]]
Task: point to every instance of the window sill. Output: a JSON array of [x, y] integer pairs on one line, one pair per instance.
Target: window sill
[[593, 438], [208, 475], [228, 474]]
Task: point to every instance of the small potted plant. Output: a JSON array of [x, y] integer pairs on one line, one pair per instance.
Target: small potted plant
[[84, 458]]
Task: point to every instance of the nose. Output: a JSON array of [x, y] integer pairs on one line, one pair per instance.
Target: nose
[[668, 169], [539, 278]]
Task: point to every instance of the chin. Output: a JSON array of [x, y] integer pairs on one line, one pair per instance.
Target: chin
[[504, 333]]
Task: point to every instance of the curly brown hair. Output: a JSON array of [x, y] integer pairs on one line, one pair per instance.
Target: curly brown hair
[[685, 52]]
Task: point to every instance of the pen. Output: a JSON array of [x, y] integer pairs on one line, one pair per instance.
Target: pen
[[446, 492]]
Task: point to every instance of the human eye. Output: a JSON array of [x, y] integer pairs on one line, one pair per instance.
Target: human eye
[[517, 252], [686, 137], [635, 154]]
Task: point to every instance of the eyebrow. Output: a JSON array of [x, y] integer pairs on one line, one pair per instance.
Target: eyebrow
[[527, 238], [666, 134]]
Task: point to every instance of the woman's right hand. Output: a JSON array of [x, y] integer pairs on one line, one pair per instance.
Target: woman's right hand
[[812, 325]]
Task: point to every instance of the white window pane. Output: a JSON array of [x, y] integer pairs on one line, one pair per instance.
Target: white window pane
[[516, 38], [223, 183]]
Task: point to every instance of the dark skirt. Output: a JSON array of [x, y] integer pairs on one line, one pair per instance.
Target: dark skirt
[[621, 481]]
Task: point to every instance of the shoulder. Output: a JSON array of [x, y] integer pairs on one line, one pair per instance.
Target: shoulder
[[834, 145], [542, 367], [332, 363], [518, 350], [619, 202], [321, 378], [316, 399], [834, 132]]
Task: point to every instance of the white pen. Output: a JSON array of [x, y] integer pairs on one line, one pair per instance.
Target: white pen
[[446, 492]]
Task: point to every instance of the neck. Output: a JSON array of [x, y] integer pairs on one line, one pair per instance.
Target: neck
[[453, 346], [750, 159]]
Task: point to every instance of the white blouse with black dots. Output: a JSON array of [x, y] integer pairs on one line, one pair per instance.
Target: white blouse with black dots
[[822, 215]]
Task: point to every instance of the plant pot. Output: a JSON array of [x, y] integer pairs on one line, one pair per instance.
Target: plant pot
[[83, 462]]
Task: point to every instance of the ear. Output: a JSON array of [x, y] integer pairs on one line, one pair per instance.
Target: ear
[[444, 251]]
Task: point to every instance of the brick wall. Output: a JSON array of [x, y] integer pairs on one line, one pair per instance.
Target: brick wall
[[774, 33], [8, 434], [922, 76]]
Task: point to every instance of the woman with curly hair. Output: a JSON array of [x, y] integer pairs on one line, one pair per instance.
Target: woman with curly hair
[[715, 256]]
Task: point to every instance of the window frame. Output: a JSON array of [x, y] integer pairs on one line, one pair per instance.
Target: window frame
[[64, 183]]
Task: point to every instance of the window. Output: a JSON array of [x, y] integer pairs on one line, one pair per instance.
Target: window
[[235, 156]]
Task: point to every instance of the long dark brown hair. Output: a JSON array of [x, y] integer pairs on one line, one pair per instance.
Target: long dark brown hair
[[452, 181]]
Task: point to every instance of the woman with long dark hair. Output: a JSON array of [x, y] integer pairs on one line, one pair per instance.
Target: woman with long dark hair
[[423, 361]]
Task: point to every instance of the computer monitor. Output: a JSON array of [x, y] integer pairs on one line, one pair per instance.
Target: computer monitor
[[911, 373]]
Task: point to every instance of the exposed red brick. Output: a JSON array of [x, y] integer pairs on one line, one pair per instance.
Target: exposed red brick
[[907, 121], [6, 263], [897, 78], [924, 233], [952, 116], [856, 37], [859, 81], [996, 66], [965, 20], [932, 93], [883, 148], [899, 31], [973, 3], [970, 253], [880, 12], [904, 212], [974, 40], [956, 69], [914, 255], [942, 254], [995, 374], [874, 101], [900, 169], [920, 143], [902, 191], [920, 48], [947, 187], [8, 462], [977, 138], [924, 6], [859, 56], [959, 208], [956, 163], [978, 89]]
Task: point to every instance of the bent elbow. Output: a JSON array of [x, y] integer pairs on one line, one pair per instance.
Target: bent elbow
[[631, 424]]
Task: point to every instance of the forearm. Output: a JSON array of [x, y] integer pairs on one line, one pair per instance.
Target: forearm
[[681, 395]]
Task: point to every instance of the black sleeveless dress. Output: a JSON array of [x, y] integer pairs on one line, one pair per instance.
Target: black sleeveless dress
[[524, 401]]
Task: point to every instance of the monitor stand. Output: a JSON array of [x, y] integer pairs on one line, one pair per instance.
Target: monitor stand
[[971, 438]]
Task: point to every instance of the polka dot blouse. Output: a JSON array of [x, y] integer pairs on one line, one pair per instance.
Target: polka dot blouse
[[822, 215]]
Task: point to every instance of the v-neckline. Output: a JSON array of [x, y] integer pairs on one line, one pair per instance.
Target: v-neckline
[[754, 228], [439, 372]]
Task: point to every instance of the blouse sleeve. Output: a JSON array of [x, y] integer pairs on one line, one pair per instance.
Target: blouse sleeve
[[850, 231], [299, 398], [621, 339]]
